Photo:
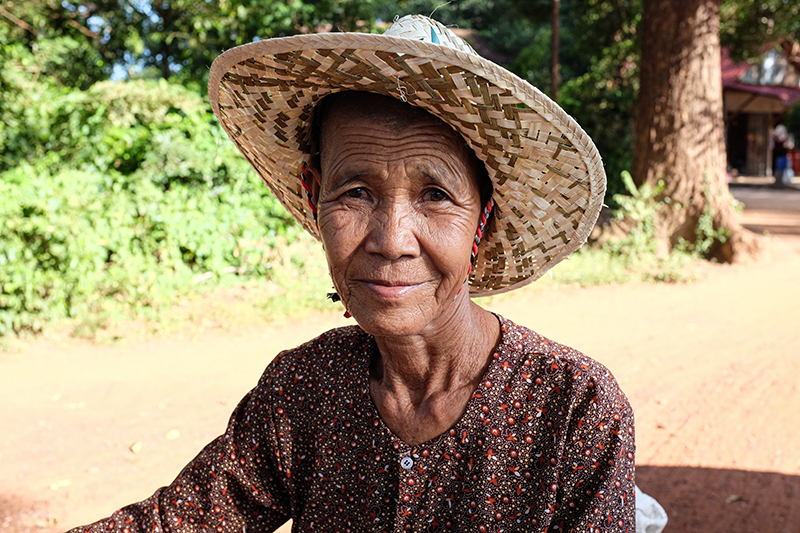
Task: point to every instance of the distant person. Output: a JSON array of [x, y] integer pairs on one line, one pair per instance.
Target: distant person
[[431, 176], [782, 144]]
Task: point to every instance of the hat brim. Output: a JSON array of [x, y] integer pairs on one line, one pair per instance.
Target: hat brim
[[547, 175]]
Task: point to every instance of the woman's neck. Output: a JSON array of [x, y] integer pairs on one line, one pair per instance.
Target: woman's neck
[[421, 383]]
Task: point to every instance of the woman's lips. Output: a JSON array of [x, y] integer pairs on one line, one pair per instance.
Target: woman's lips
[[390, 289]]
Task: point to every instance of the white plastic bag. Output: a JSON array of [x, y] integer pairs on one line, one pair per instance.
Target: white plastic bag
[[650, 516]]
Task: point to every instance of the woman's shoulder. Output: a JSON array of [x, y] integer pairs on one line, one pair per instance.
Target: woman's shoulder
[[556, 362], [518, 337], [333, 353]]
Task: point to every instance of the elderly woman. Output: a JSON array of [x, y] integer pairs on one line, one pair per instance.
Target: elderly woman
[[430, 175]]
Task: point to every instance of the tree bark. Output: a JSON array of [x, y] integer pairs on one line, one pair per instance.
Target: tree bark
[[679, 123]]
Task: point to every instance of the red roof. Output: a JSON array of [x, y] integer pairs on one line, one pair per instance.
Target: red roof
[[787, 95], [731, 72]]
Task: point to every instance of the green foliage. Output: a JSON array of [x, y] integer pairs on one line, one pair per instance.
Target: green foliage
[[533, 61], [120, 198], [603, 98], [44, 38], [746, 26], [639, 207], [82, 241], [603, 101], [707, 235], [176, 39], [181, 38]]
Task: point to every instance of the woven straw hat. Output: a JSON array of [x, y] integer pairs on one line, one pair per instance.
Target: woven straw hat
[[547, 175]]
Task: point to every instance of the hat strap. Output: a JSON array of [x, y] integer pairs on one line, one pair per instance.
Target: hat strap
[[307, 188], [479, 234]]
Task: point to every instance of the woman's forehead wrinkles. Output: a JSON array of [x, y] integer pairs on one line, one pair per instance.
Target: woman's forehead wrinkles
[[391, 124], [423, 134], [439, 169]]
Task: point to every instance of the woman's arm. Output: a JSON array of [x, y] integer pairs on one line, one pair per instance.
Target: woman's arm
[[596, 476], [235, 484]]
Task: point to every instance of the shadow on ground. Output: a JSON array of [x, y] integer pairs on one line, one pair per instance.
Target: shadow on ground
[[712, 500]]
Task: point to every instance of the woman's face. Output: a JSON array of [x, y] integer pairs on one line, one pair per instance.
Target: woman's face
[[398, 209]]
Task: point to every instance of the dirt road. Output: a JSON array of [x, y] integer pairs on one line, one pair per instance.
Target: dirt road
[[711, 369]]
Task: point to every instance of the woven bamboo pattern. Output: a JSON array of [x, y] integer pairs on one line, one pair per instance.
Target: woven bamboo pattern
[[548, 177]]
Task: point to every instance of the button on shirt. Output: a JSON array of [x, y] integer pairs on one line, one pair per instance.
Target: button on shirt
[[546, 444]]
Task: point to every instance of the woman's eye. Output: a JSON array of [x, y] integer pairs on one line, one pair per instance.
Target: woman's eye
[[358, 192], [435, 195]]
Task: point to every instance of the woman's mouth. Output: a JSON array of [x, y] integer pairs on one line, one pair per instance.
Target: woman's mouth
[[390, 289]]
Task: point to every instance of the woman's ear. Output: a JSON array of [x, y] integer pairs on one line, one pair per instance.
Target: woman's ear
[[314, 177]]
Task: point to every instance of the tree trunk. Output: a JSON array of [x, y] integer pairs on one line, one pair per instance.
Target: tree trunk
[[167, 15], [555, 35], [679, 123]]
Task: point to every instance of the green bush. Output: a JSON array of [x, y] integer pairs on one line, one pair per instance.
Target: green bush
[[122, 196]]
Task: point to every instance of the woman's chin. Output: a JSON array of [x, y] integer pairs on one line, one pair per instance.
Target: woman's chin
[[387, 326]]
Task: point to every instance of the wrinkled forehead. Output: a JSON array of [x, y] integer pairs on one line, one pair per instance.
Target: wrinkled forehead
[[364, 107], [350, 107]]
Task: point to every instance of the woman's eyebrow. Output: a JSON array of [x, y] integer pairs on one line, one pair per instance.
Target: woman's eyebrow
[[437, 180], [441, 181], [347, 178]]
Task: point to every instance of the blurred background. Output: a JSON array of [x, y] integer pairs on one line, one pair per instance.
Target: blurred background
[[139, 252]]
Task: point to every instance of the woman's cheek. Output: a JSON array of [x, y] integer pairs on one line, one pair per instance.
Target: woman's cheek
[[338, 230]]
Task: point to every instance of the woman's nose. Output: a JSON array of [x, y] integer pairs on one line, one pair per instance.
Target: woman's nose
[[392, 231]]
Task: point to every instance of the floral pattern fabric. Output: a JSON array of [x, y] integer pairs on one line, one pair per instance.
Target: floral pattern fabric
[[546, 444]]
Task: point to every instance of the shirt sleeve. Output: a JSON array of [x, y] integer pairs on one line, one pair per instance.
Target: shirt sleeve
[[596, 478], [236, 484]]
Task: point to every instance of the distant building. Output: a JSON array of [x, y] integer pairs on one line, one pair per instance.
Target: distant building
[[755, 98]]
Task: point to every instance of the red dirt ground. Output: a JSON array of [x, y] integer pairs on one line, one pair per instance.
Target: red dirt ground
[[711, 369]]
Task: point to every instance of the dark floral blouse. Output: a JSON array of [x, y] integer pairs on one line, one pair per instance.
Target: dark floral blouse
[[546, 444]]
